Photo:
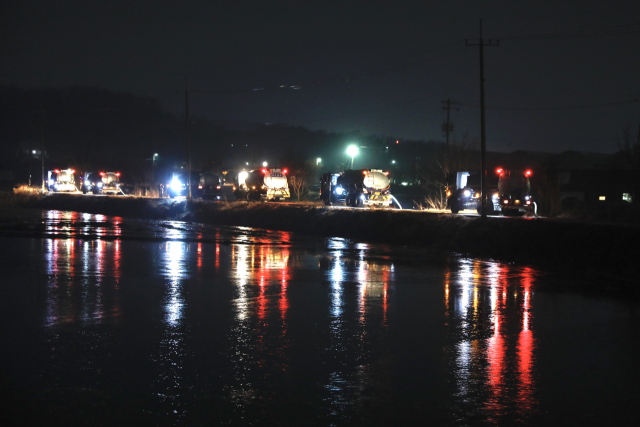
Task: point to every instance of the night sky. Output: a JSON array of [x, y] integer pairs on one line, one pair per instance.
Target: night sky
[[566, 75]]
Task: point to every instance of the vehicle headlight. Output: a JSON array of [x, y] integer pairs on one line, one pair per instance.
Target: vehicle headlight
[[339, 190], [467, 193], [99, 184], [50, 182], [362, 196], [495, 196], [175, 184], [527, 197]]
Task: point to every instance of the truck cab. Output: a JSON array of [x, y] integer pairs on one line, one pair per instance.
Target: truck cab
[[210, 186], [463, 193], [91, 183]]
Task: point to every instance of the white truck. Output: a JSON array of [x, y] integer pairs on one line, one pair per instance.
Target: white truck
[[62, 181], [368, 187], [263, 184]]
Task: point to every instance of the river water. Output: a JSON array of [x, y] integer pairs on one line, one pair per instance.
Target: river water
[[108, 321]]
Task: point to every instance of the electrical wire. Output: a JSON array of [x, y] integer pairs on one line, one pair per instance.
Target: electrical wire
[[596, 32], [574, 107]]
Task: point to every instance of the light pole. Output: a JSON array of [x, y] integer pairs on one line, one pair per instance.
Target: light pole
[[153, 166], [318, 161], [352, 151]]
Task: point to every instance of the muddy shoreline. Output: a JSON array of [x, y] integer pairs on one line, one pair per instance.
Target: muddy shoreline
[[607, 251]]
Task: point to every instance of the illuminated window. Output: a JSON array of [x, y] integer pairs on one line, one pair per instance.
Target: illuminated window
[[626, 197], [602, 198]]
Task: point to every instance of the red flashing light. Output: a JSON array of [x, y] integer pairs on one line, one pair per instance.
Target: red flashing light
[[199, 187], [387, 173], [364, 172], [284, 171], [506, 202], [56, 171], [117, 173], [398, 141], [527, 172], [101, 173], [73, 171], [499, 171], [264, 171]]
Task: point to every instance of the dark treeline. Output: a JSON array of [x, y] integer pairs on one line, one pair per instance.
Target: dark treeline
[[92, 128]]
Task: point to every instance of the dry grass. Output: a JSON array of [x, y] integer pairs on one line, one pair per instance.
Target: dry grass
[[25, 189]]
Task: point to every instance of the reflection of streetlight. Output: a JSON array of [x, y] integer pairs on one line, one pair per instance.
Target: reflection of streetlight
[[352, 150]]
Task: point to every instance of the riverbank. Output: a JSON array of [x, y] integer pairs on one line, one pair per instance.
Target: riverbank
[[589, 248]]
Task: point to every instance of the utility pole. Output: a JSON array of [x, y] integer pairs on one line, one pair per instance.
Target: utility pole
[[483, 142], [448, 126], [186, 122], [42, 143]]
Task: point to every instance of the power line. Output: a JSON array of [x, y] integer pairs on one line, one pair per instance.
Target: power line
[[596, 32], [574, 107]]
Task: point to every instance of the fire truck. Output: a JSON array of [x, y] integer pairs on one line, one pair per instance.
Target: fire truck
[[101, 182], [263, 184], [61, 181], [368, 187]]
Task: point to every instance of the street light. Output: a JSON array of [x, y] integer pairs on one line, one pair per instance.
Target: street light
[[352, 151], [153, 165], [264, 164], [318, 161]]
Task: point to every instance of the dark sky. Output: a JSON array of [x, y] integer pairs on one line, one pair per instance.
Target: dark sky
[[377, 67]]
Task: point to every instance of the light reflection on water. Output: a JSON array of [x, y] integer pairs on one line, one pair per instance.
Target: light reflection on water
[[495, 349], [326, 322]]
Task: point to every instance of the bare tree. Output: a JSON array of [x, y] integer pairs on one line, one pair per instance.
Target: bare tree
[[457, 156], [297, 182]]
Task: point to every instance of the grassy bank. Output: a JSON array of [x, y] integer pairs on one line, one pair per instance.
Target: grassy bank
[[556, 244]]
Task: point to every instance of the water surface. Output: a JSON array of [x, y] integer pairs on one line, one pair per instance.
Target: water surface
[[108, 321]]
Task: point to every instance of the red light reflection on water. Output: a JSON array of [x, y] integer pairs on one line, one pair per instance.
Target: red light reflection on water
[[503, 355], [496, 345], [526, 344], [83, 274]]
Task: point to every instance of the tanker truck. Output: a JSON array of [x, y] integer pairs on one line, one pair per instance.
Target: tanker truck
[[368, 187], [263, 184], [514, 192]]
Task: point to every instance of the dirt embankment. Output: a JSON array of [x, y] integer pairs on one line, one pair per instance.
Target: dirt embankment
[[555, 244]]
